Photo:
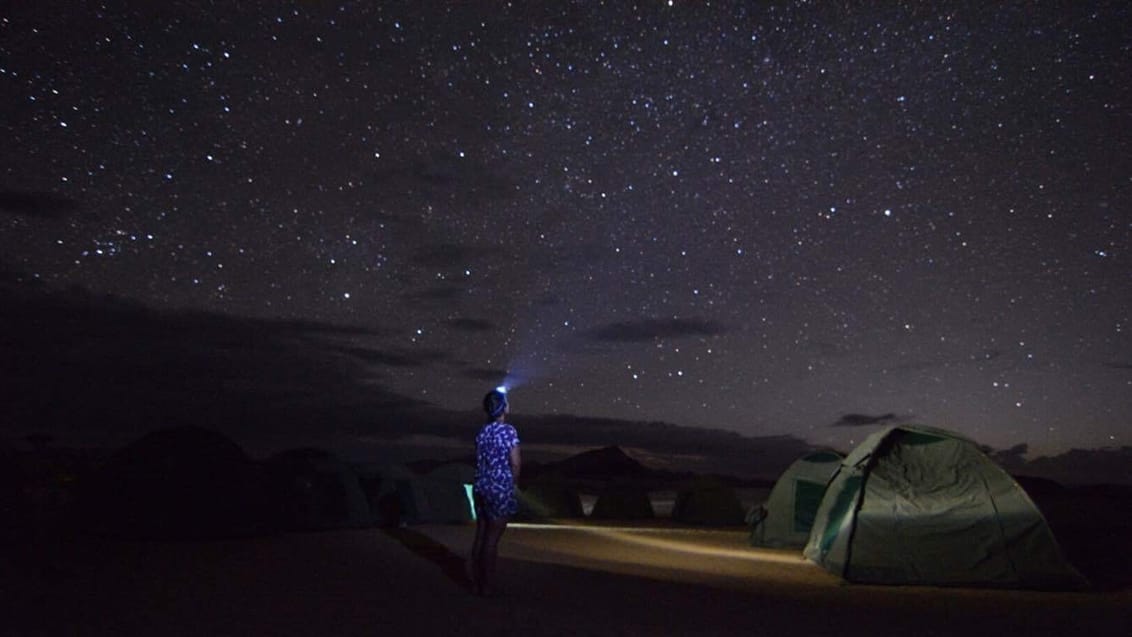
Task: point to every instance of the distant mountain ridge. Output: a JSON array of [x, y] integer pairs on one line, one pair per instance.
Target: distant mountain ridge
[[612, 464]]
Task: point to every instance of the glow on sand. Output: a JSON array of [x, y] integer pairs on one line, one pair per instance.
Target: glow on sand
[[650, 538]]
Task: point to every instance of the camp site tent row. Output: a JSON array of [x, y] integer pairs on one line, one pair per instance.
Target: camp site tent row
[[917, 505], [193, 482]]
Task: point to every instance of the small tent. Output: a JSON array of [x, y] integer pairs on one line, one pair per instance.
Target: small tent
[[447, 494], [442, 495], [548, 499], [915, 505], [392, 492], [707, 502], [312, 489], [623, 501], [787, 516]]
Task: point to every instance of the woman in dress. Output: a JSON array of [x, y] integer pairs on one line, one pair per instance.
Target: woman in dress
[[497, 474]]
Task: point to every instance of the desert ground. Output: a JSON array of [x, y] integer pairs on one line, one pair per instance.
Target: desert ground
[[555, 579]]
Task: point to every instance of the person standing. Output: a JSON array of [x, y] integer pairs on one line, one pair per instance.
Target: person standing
[[497, 474]]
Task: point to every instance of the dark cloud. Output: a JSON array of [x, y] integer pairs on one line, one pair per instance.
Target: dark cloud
[[99, 368], [36, 204], [471, 325], [1116, 365], [862, 420], [397, 357], [649, 329]]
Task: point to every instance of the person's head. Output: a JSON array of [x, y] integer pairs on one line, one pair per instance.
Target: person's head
[[495, 404]]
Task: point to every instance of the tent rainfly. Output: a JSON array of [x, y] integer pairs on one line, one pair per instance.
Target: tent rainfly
[[916, 505], [787, 516]]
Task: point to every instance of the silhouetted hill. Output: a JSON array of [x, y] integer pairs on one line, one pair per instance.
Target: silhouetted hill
[[594, 467], [604, 463], [599, 467]]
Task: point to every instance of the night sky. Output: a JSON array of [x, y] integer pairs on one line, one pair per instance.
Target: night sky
[[786, 218]]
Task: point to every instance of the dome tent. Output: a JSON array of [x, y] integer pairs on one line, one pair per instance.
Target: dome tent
[[623, 501], [916, 505], [311, 489], [707, 502], [442, 495], [445, 494], [787, 516], [549, 499], [183, 482], [392, 491]]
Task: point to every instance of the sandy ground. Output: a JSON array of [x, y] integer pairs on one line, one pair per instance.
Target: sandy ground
[[554, 581]]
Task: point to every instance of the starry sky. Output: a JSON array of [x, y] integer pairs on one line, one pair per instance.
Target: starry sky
[[801, 219]]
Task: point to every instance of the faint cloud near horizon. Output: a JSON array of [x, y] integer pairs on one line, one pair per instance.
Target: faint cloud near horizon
[[650, 329], [863, 420]]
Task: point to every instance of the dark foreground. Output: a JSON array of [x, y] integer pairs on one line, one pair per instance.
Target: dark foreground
[[555, 581]]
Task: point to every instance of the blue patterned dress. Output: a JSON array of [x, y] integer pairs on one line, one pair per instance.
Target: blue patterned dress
[[495, 486]]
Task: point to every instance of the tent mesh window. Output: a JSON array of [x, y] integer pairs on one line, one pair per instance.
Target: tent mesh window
[[807, 497]]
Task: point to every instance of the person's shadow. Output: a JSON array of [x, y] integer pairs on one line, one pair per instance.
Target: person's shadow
[[452, 565]]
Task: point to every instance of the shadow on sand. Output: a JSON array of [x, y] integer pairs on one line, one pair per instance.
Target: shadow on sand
[[453, 566]]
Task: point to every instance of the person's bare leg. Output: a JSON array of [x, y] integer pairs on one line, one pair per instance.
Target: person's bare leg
[[475, 567], [489, 555]]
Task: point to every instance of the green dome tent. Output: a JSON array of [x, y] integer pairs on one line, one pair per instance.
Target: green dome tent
[[443, 495], [787, 516], [312, 489], [915, 505], [548, 499], [447, 494]]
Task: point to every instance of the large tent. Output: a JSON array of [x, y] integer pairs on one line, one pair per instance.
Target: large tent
[[183, 482], [787, 516], [915, 505]]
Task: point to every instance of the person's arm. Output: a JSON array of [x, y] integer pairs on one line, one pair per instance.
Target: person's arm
[[516, 462]]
